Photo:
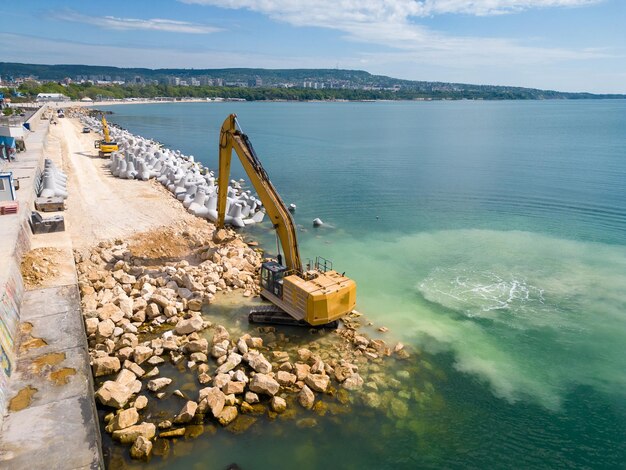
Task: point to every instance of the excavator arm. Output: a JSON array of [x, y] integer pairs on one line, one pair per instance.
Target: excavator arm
[[231, 137], [105, 130], [106, 145]]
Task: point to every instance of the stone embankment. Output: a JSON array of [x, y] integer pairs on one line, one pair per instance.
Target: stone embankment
[[142, 304]]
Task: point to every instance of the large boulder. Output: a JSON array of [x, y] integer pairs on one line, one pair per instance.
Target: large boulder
[[189, 325], [257, 361], [285, 378], [198, 345], [234, 388], [220, 380], [213, 399], [142, 354], [306, 398], [157, 384], [141, 402], [141, 449], [104, 330], [220, 334], [160, 300], [105, 365], [130, 435], [317, 382], [110, 311], [262, 383], [353, 382], [124, 419], [302, 370], [113, 394], [278, 404], [91, 324], [187, 413], [232, 361], [126, 377], [228, 415], [220, 349]]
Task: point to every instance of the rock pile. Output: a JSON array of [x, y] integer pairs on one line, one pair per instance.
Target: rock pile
[[144, 322]]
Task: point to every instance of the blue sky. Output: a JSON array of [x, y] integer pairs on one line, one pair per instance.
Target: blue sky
[[568, 45]]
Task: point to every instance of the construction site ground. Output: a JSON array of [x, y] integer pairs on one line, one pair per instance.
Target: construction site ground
[[51, 421]]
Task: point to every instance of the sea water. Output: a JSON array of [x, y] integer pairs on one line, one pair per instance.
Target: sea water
[[490, 235]]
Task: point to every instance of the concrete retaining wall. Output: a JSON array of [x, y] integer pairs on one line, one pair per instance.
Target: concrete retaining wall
[[15, 240]]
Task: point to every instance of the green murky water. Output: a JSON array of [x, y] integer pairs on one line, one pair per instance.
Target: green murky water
[[489, 236]]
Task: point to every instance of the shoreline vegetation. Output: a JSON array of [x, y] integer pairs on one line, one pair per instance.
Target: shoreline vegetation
[[104, 83], [166, 93]]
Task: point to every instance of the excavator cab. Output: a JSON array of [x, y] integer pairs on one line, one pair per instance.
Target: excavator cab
[[272, 274]]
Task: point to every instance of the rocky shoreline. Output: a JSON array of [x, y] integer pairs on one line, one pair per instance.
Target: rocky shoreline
[[142, 302]]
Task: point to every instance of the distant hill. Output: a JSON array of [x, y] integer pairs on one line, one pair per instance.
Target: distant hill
[[368, 85]]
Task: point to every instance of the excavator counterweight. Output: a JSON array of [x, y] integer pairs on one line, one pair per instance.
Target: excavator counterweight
[[315, 297]]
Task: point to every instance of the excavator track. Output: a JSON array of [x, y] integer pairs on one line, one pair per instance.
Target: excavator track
[[272, 315]]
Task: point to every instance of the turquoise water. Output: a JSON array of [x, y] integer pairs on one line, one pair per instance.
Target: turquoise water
[[492, 235]]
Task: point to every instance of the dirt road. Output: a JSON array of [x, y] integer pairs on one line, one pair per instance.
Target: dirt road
[[99, 205]]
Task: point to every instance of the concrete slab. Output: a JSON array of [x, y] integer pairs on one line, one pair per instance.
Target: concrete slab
[[56, 435], [58, 333], [54, 424], [55, 376], [50, 301]]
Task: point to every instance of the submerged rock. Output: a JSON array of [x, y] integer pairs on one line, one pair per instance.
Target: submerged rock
[[306, 398], [278, 404], [141, 449], [187, 413], [228, 414], [173, 433], [157, 384]]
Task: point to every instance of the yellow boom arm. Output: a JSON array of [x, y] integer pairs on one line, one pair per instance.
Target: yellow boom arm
[[231, 137], [105, 130]]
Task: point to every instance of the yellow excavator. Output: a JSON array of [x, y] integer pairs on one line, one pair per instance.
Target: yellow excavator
[[106, 145], [315, 296]]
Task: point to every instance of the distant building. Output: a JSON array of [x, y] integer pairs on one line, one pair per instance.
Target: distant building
[[47, 97]]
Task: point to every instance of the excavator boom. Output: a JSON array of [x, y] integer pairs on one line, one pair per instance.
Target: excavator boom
[[231, 138], [317, 297], [106, 145]]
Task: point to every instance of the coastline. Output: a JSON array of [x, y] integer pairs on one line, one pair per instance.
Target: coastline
[[152, 277]]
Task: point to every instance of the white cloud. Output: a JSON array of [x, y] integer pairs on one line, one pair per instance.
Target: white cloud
[[329, 12], [39, 50], [391, 23], [154, 24]]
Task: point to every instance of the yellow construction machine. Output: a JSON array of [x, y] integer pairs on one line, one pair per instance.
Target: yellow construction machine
[[314, 296], [106, 145]]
